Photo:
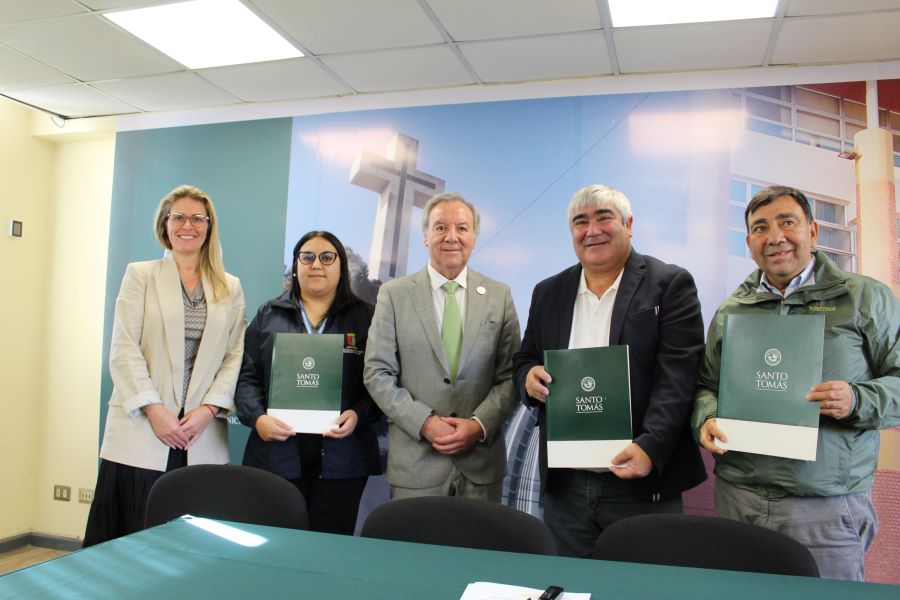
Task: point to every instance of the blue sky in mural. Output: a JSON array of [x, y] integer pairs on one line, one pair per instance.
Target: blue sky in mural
[[520, 162]]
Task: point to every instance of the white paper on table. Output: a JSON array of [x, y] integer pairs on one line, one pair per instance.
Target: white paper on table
[[483, 590]]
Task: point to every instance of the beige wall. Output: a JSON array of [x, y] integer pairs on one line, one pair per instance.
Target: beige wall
[[80, 208], [59, 182], [25, 191]]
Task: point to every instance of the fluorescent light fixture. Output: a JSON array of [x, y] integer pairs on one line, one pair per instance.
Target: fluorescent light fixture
[[206, 33], [634, 13]]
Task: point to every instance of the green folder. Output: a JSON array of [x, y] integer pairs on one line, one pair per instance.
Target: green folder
[[589, 406], [306, 380], [769, 362]]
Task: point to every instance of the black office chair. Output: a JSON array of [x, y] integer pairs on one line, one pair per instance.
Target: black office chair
[[227, 492], [465, 522], [706, 542]]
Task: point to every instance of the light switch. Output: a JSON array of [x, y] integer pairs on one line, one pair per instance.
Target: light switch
[[15, 229]]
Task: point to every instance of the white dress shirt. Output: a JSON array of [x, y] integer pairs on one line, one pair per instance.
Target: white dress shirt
[[592, 316]]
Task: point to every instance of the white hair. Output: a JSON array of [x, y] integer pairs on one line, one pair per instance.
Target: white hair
[[449, 197], [598, 195]]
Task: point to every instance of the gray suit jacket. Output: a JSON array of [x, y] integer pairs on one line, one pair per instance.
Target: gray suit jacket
[[406, 373]]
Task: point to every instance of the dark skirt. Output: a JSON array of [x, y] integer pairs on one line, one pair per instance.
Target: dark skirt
[[120, 498]]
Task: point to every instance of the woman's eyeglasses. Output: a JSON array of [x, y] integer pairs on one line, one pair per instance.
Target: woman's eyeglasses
[[179, 220], [308, 258]]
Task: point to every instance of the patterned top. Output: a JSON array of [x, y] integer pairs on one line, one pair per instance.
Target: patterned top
[[194, 323]]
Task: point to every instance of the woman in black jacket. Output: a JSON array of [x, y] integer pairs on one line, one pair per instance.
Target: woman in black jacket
[[330, 470]]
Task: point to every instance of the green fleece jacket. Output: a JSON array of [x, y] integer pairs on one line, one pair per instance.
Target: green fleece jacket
[[862, 318]]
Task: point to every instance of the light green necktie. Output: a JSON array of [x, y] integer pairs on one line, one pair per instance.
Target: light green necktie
[[451, 327]]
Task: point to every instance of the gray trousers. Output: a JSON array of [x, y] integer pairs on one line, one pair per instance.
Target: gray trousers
[[837, 530], [456, 484]]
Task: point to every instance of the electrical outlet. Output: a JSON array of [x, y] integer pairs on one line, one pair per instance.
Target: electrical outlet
[[85, 495], [62, 492]]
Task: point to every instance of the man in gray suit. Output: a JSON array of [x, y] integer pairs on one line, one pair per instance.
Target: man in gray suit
[[446, 398]]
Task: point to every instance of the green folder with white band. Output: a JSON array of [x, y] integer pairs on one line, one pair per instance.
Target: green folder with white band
[[306, 380], [589, 406]]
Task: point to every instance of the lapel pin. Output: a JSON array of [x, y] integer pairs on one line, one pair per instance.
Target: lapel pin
[[480, 290]]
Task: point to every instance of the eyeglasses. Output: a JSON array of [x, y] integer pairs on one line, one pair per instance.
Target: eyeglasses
[[178, 219], [326, 258]]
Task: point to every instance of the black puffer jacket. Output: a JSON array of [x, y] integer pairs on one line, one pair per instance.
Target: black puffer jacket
[[353, 456]]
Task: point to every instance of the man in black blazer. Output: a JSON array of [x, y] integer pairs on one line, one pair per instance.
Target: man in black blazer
[[616, 296]]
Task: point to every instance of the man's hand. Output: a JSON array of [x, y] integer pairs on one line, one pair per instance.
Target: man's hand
[[465, 434], [709, 433], [535, 383], [166, 427], [631, 463], [194, 423], [345, 424], [271, 429], [434, 427], [835, 398]]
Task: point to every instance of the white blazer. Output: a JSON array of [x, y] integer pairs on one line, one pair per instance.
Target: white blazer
[[146, 361]]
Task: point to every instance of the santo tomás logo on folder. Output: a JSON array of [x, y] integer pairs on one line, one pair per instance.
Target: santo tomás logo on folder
[[305, 388], [589, 406], [308, 379], [769, 362]]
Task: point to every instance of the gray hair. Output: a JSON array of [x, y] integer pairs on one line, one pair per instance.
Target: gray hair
[[449, 197], [598, 195]]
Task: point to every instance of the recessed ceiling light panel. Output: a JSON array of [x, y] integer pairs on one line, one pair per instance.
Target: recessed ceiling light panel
[[634, 13], [206, 33]]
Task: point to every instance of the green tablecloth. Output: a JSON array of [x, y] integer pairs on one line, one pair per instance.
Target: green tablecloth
[[180, 560]]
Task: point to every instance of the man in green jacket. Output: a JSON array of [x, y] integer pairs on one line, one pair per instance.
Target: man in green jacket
[[826, 504]]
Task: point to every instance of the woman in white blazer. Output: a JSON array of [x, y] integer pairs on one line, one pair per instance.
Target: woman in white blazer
[[175, 355]]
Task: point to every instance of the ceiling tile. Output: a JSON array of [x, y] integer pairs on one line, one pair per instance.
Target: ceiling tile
[[692, 47], [482, 19], [825, 7], [105, 4], [350, 25], [167, 92], [72, 100], [551, 57], [393, 45], [12, 11], [399, 69], [836, 39], [86, 48], [17, 71], [279, 80]]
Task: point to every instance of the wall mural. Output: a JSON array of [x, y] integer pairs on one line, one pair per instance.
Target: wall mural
[[688, 161]]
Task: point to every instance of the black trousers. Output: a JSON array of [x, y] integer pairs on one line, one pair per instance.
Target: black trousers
[[332, 503]]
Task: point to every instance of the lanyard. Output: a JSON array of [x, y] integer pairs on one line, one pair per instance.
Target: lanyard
[[307, 324]]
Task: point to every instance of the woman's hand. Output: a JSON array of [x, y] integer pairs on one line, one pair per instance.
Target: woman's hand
[[166, 426], [271, 429], [346, 423], [195, 422]]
